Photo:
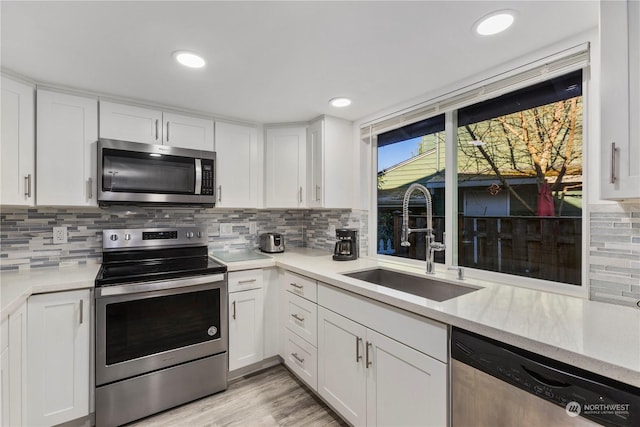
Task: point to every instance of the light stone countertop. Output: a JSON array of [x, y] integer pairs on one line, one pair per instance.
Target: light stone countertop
[[17, 286], [595, 336]]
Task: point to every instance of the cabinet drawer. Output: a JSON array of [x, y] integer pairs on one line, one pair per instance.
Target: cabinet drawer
[[302, 358], [301, 318], [245, 280], [301, 285]]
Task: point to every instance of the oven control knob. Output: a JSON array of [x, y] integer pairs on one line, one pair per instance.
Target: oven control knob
[[189, 234], [113, 237], [200, 234], [127, 236]]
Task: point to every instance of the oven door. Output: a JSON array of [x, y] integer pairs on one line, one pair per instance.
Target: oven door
[[148, 326]]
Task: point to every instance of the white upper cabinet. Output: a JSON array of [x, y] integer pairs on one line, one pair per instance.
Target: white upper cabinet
[[620, 99], [285, 158], [149, 126], [67, 132], [237, 165], [17, 148], [187, 132], [329, 163], [129, 123], [315, 164]]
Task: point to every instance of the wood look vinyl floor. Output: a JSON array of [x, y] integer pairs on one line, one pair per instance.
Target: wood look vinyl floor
[[273, 397]]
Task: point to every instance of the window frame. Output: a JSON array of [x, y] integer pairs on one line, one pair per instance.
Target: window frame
[[477, 276]]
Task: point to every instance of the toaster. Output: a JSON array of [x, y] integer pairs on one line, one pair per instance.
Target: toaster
[[271, 243]]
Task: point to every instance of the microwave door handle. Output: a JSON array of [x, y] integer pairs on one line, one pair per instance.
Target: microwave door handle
[[198, 189]]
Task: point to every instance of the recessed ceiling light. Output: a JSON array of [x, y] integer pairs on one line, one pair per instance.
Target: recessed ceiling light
[[189, 59], [340, 102], [495, 22]]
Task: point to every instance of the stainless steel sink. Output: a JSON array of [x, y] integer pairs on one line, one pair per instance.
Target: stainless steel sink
[[420, 286]]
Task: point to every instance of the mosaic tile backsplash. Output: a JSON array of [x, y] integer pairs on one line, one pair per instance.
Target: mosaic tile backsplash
[[26, 235], [614, 253]]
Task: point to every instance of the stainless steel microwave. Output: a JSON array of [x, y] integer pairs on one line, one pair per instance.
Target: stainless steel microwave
[[134, 173]]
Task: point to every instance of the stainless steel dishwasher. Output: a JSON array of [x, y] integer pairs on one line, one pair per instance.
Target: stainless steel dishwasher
[[494, 384]]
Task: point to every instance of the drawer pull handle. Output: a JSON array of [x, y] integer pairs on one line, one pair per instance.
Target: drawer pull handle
[[234, 310], [358, 355], [298, 358], [27, 185], [368, 361], [295, 285], [243, 282], [298, 318], [612, 179], [81, 311]]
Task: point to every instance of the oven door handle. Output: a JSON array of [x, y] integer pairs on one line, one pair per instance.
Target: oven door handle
[[157, 286]]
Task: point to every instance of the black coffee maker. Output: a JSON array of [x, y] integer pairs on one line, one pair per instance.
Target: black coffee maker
[[347, 245]]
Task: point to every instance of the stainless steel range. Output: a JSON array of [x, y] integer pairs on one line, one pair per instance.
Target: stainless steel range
[[161, 322]]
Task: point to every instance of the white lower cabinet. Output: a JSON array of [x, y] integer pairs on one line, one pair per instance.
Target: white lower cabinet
[[302, 358], [13, 355], [371, 379], [299, 313], [245, 328], [58, 339], [404, 387], [246, 318], [342, 379]]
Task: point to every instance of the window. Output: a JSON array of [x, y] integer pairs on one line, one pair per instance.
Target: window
[[413, 153], [519, 171], [518, 181]]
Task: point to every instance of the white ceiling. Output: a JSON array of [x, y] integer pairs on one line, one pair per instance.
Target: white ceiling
[[272, 62]]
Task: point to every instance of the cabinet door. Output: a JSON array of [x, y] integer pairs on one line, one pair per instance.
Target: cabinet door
[[620, 99], [67, 132], [237, 165], [246, 325], [404, 386], [58, 359], [17, 144], [272, 330], [17, 364], [285, 153], [187, 132], [338, 160], [4, 387], [129, 123], [341, 365], [315, 164]]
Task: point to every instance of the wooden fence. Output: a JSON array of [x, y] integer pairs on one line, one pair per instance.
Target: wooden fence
[[547, 248]]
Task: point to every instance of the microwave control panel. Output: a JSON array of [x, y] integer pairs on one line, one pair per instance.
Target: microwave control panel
[[207, 177]]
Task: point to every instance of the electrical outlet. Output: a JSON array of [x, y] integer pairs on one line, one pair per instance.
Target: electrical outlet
[[253, 227], [332, 229], [59, 235], [226, 229]]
